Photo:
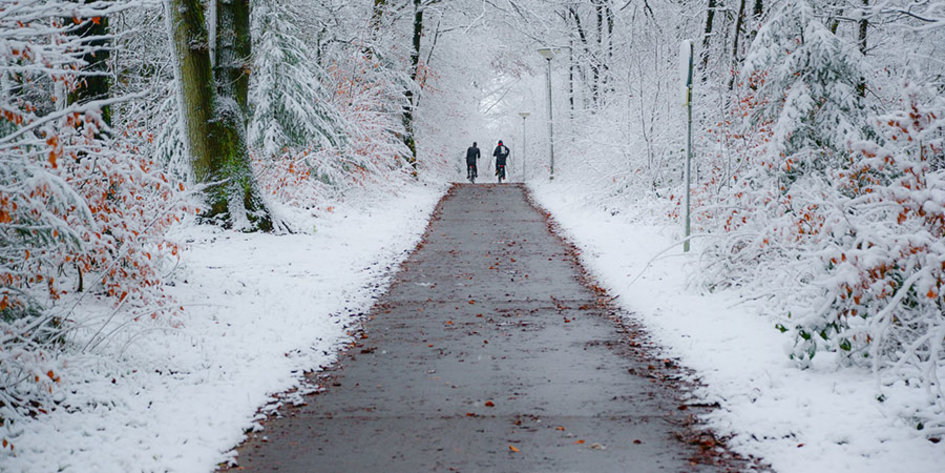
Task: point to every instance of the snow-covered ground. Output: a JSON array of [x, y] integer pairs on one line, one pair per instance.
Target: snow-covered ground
[[259, 310], [824, 419]]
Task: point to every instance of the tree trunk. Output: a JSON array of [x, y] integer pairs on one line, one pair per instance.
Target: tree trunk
[[377, 14], [233, 52], [610, 49], [571, 67], [706, 37], [409, 106], [861, 41], [596, 57], [864, 26], [97, 85], [585, 43], [757, 15], [739, 26], [213, 124]]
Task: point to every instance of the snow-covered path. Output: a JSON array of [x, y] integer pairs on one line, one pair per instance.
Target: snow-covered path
[[259, 309], [490, 353]]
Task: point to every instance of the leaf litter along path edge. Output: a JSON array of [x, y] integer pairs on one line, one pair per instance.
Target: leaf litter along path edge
[[493, 351]]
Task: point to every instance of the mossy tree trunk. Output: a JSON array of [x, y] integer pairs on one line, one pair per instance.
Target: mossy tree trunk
[[214, 111]]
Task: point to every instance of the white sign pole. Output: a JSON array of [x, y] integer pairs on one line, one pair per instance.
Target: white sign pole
[[685, 58]]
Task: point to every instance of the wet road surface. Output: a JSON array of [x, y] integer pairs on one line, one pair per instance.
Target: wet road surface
[[488, 354]]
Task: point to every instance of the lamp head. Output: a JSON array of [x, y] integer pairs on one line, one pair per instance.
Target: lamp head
[[546, 53]]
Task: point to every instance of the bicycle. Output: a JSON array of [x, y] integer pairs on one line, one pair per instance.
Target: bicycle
[[471, 173], [500, 172]]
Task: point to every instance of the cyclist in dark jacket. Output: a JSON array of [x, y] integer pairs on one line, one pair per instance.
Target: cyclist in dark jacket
[[501, 153], [472, 156]]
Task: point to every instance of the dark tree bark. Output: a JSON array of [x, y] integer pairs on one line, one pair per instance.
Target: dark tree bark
[[739, 26], [586, 46], [833, 23], [233, 51], [757, 15], [377, 13], [610, 47], [864, 25], [409, 96], [572, 65], [595, 59], [861, 42], [214, 122], [97, 84], [706, 38]]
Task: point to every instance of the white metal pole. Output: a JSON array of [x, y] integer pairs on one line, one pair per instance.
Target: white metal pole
[[688, 149], [524, 150], [551, 126]]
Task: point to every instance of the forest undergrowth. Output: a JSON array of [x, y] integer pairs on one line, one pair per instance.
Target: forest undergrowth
[[818, 174]]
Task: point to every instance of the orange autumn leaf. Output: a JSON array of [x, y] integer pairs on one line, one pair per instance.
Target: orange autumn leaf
[[490, 404], [579, 442], [513, 448]]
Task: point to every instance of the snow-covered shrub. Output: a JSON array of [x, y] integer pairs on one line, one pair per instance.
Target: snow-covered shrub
[[843, 205], [882, 303], [83, 211], [797, 115]]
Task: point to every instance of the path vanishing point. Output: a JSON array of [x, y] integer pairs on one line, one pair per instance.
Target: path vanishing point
[[491, 353]]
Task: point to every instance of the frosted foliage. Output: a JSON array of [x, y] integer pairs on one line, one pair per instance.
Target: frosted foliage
[[844, 200], [83, 205], [324, 119], [808, 78], [291, 108]]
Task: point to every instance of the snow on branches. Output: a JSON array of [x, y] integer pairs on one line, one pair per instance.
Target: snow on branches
[[322, 120], [845, 195], [83, 209]]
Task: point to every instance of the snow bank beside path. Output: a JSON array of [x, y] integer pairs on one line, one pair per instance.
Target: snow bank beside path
[[258, 310], [823, 419]]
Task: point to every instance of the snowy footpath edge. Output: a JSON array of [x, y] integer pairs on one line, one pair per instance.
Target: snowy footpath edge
[[259, 311], [822, 419]]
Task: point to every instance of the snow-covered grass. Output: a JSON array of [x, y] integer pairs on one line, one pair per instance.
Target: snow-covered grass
[[821, 419], [259, 310]]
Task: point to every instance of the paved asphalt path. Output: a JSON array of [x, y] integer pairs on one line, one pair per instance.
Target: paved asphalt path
[[487, 354]]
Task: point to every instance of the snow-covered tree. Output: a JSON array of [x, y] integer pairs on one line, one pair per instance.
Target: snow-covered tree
[[291, 106]]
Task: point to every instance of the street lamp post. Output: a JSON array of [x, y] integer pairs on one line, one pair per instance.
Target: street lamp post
[[524, 115], [549, 54]]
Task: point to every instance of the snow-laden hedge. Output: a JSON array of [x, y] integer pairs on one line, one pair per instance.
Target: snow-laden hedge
[[819, 188]]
